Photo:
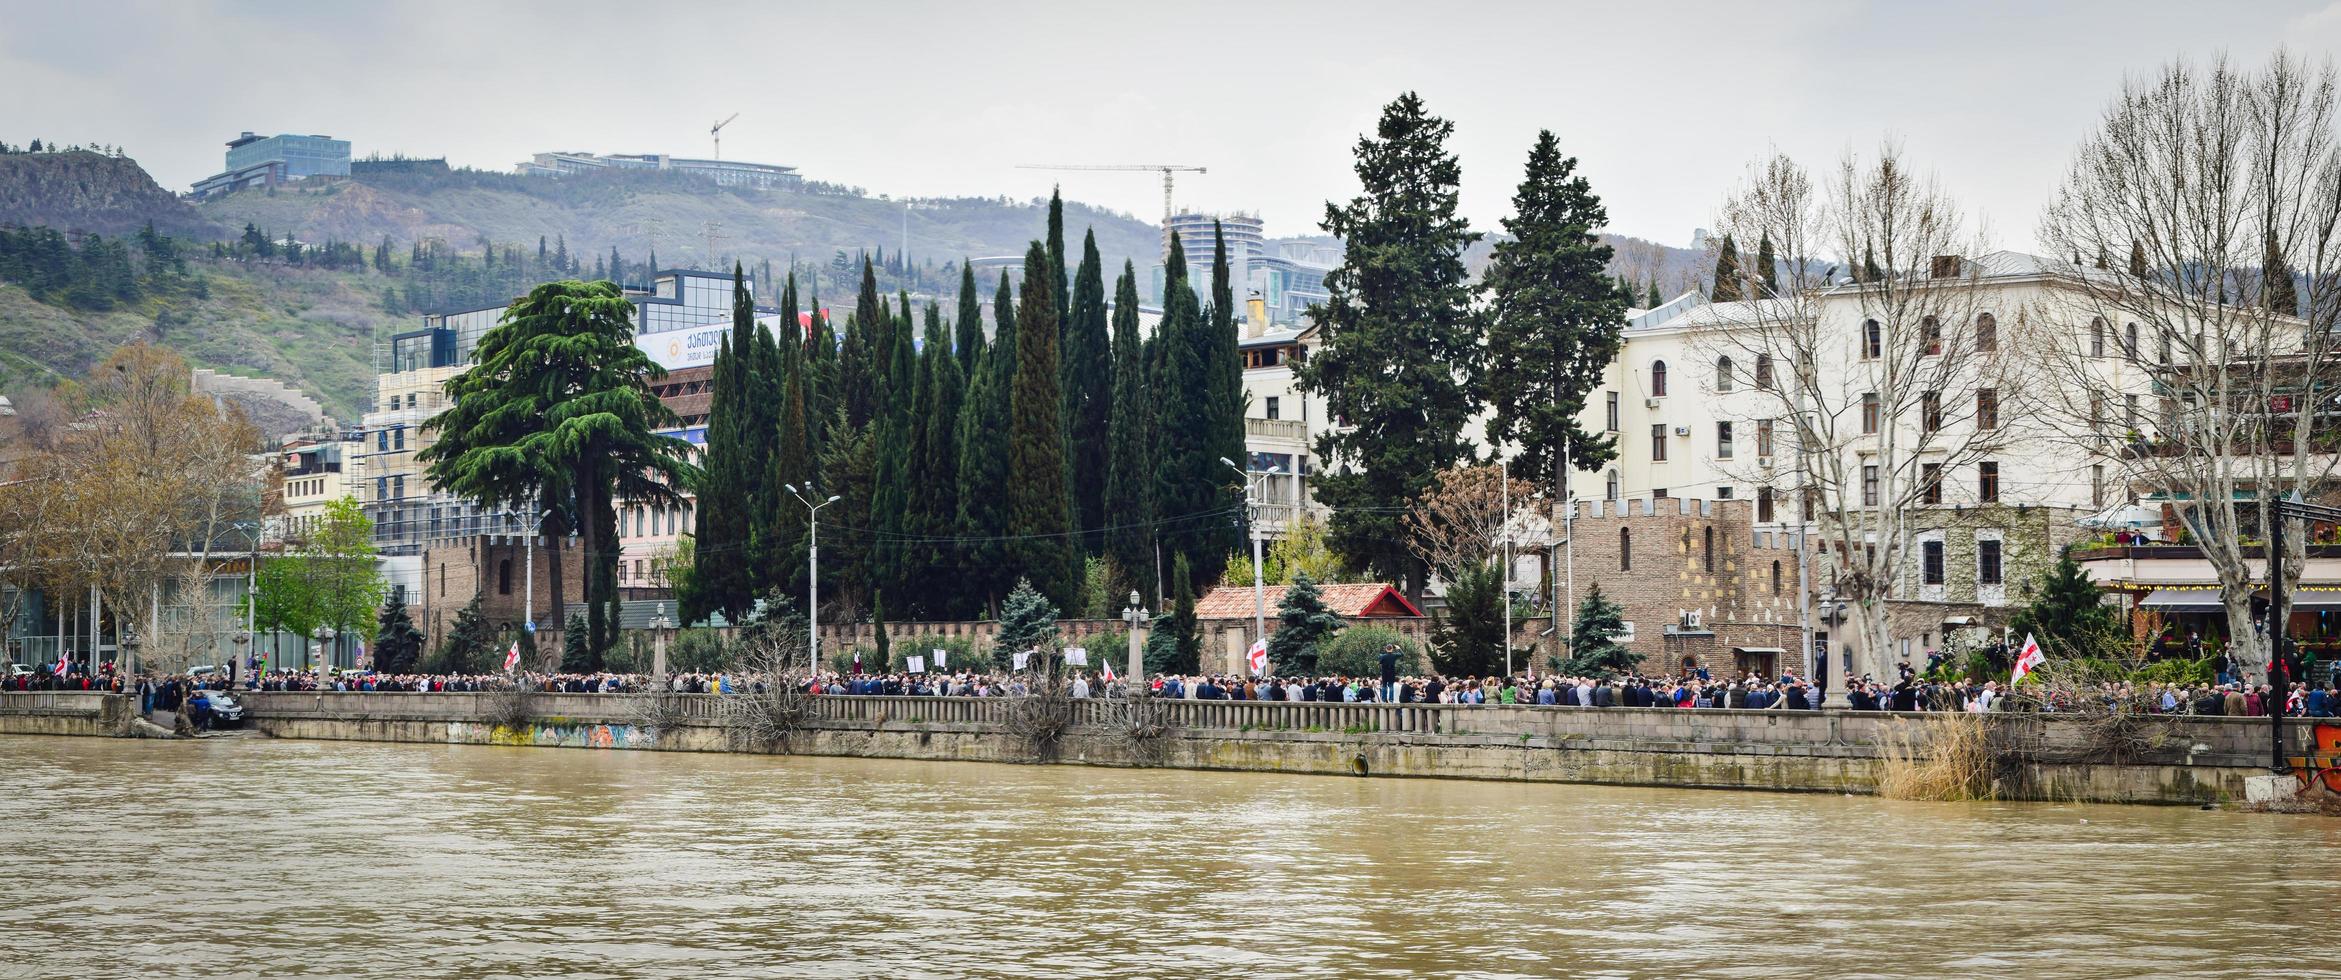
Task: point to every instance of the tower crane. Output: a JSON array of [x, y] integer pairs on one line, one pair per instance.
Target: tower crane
[[1167, 170], [717, 132]]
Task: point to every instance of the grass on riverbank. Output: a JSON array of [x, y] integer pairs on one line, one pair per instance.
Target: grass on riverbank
[[1946, 758]]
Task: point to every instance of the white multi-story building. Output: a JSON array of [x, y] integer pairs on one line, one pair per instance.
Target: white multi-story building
[[729, 173]]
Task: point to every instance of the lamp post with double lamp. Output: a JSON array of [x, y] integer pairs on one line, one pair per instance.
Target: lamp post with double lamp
[[1135, 616], [243, 642], [129, 662], [1252, 519], [813, 560], [660, 628]]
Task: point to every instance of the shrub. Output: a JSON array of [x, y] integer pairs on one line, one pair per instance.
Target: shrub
[[1357, 652]]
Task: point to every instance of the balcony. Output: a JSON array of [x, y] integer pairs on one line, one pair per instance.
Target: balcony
[[1276, 430]]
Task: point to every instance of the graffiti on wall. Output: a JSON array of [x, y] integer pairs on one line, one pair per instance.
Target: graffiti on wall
[[2323, 764], [554, 734]]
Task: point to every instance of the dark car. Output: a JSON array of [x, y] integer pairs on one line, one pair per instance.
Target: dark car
[[226, 711]]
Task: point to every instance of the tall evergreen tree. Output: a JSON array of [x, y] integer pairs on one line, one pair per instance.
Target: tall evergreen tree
[[398, 645], [2138, 267], [822, 377], [1088, 386], [1003, 309], [1401, 350], [1223, 406], [2277, 290], [1767, 268], [1057, 266], [1128, 505], [983, 465], [1192, 487], [1556, 321], [1593, 647], [1303, 623], [1654, 300], [897, 444], [1176, 646], [968, 342], [849, 464], [1040, 517], [1727, 270], [557, 408], [780, 547], [739, 436], [934, 477], [861, 360]]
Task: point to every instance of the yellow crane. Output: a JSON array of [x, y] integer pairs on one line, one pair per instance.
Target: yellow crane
[[1167, 170]]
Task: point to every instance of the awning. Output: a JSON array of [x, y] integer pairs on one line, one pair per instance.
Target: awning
[[2315, 598], [1769, 651], [1958, 620], [2181, 600]]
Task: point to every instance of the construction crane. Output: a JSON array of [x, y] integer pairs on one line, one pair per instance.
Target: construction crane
[[1167, 170], [717, 132]]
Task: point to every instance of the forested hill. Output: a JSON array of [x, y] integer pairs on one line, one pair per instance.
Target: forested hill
[[672, 216], [81, 190]]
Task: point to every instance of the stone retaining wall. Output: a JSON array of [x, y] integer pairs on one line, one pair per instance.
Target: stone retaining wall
[[2201, 760]]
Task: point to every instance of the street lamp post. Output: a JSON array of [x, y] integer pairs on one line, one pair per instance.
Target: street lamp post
[[812, 559], [1135, 615], [129, 657], [1259, 585], [243, 641], [660, 627], [324, 654]]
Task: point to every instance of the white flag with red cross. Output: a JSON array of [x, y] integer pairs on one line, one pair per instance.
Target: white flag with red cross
[[2027, 658]]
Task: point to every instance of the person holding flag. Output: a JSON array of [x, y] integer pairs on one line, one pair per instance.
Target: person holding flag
[[1108, 676], [1257, 658], [512, 657], [2026, 659]]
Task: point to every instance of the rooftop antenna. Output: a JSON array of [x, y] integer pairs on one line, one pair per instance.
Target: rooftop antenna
[[717, 132]]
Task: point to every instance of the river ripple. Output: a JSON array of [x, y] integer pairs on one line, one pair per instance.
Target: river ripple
[[252, 857]]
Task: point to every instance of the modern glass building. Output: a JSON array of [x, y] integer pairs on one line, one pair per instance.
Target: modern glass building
[[302, 156]]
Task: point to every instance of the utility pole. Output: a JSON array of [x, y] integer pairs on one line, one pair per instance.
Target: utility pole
[[813, 558], [1259, 585], [1504, 482]]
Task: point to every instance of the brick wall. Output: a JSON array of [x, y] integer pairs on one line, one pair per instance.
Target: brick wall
[[1690, 555], [459, 570]]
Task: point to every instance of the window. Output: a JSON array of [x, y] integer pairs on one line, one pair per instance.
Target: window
[[1272, 408], [1722, 440], [1987, 334], [1763, 437], [381, 488], [1613, 411], [2162, 352], [2097, 337], [1930, 563], [1723, 380], [1723, 493], [504, 577], [1764, 372], [1873, 340], [1987, 408], [1775, 576], [1612, 489], [1764, 505], [398, 438], [1987, 562], [1930, 483], [2130, 412], [1869, 486], [1930, 411], [2097, 412], [1658, 379], [442, 580], [1707, 547], [1658, 442], [382, 441], [1930, 336], [2130, 341], [2097, 484], [398, 488], [1625, 549], [1987, 483], [1869, 414], [1658, 494]]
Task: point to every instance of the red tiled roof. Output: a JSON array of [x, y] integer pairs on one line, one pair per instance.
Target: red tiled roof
[[1363, 600]]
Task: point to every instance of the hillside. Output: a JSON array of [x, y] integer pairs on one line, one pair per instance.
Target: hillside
[[78, 190], [309, 328], [639, 213]]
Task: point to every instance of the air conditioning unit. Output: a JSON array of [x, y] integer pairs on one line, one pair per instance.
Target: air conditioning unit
[[1650, 403], [1764, 462], [1682, 430], [1691, 620]]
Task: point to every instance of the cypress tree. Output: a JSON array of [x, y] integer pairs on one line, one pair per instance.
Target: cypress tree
[[860, 361], [969, 327], [739, 424], [1402, 346], [1003, 310], [849, 470], [822, 381], [1190, 482], [934, 476], [1767, 268], [1655, 302], [1557, 321], [1128, 505], [983, 466], [1088, 386], [1727, 272], [1057, 264], [2138, 267], [1223, 409], [1040, 519], [781, 548], [897, 442], [2278, 290]]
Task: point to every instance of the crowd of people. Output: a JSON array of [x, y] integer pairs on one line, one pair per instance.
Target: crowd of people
[[1911, 692]]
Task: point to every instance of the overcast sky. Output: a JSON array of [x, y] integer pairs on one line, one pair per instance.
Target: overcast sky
[[1664, 104]]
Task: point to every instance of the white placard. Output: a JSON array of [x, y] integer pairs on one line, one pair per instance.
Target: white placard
[[1076, 657], [1021, 658], [941, 658], [918, 665]]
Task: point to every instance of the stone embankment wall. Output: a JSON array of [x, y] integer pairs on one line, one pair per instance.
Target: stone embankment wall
[[64, 713], [2198, 759]]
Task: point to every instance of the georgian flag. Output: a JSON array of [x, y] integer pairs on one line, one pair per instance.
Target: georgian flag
[[1258, 657], [512, 656], [2027, 658], [1109, 671], [64, 666]]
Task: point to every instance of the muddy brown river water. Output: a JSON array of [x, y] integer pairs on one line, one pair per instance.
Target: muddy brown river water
[[253, 857]]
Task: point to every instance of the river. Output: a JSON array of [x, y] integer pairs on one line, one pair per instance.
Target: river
[[249, 857]]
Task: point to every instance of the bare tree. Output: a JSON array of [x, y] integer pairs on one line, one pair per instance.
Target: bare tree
[[2200, 222], [1861, 364], [1460, 520]]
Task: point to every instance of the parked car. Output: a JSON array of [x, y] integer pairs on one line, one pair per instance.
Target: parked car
[[19, 670], [226, 711]]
